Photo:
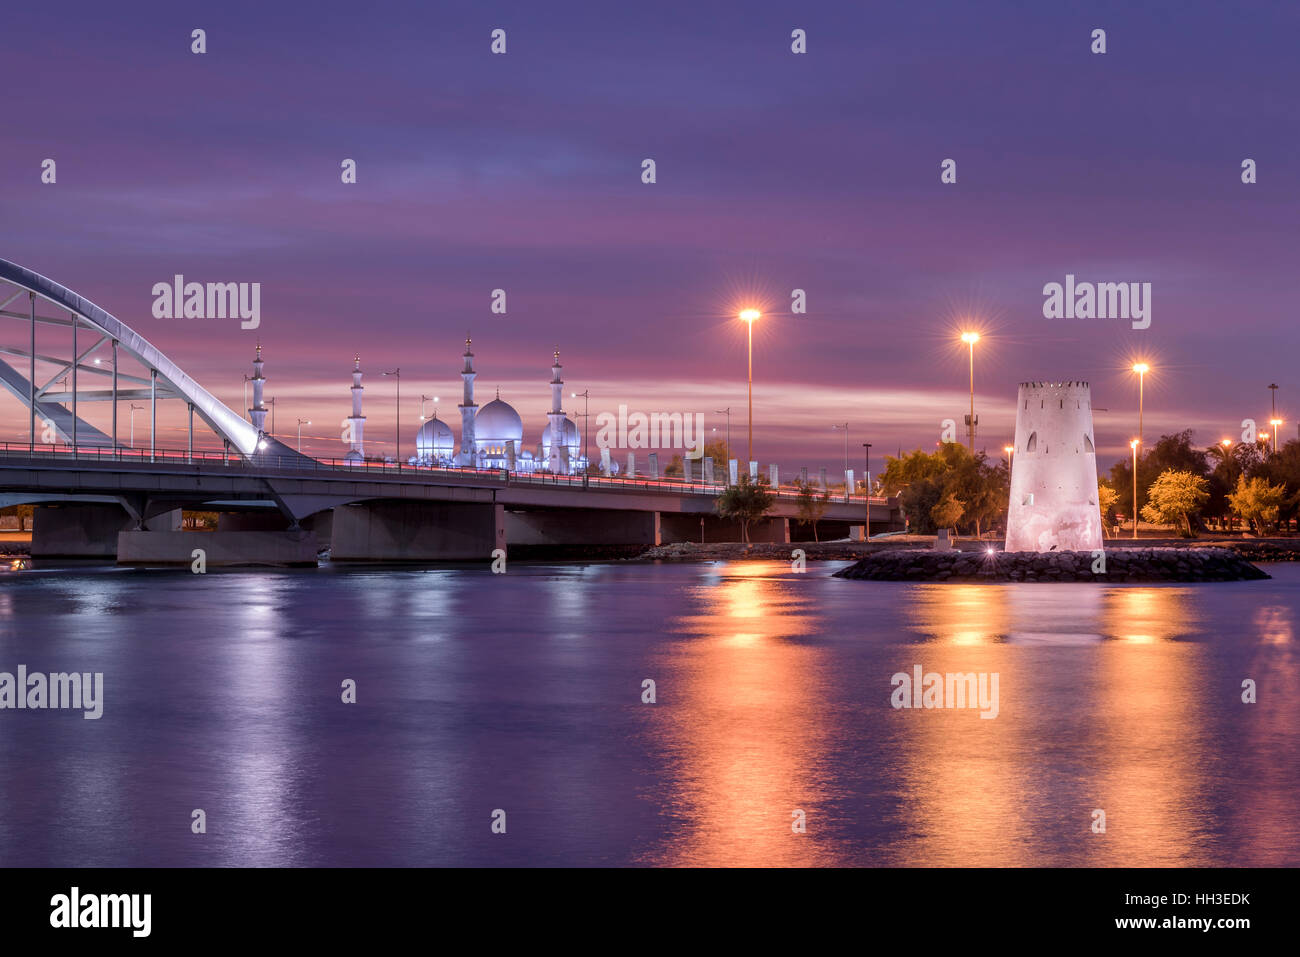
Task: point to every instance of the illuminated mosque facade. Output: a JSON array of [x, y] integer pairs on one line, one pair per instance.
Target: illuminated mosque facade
[[492, 436]]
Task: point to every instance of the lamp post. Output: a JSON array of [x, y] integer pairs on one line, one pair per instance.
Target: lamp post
[[586, 449], [727, 413], [397, 374], [1275, 422], [1010, 450], [866, 487], [134, 409], [301, 423], [1134, 446], [1141, 368], [845, 429], [970, 338], [749, 315]]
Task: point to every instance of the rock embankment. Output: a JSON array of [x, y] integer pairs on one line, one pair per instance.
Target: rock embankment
[[1120, 565]]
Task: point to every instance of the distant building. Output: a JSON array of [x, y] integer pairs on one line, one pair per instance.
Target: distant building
[[492, 437]]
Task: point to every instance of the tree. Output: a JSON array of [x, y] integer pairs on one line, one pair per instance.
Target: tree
[[746, 501], [811, 506], [923, 479], [1257, 501], [1282, 468], [948, 511], [1106, 499], [1175, 495], [1170, 453]]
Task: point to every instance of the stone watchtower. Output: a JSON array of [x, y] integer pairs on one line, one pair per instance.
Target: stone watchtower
[[1054, 471]]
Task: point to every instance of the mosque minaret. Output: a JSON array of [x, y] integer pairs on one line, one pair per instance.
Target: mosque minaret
[[257, 411], [357, 422], [492, 437], [467, 412], [557, 452]]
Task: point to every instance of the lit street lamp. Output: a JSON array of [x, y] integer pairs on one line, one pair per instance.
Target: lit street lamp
[[749, 315], [970, 338], [1141, 368], [1010, 450], [1275, 423]]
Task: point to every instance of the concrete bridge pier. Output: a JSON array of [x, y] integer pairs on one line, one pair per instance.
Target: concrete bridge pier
[[417, 531], [297, 547], [89, 530]]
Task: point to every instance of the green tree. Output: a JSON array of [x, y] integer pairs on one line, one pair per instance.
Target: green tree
[[811, 505], [1175, 495], [745, 502], [1106, 498], [922, 479], [1257, 501], [948, 511], [1169, 453]]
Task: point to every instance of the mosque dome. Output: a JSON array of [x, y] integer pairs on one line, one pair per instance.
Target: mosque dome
[[498, 422], [571, 438], [434, 440]]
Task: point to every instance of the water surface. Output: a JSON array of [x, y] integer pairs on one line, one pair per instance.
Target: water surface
[[523, 692]]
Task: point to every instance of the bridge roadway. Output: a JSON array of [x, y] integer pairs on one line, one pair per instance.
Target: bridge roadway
[[101, 502]]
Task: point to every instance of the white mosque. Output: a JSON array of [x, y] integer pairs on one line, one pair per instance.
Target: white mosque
[[491, 437]]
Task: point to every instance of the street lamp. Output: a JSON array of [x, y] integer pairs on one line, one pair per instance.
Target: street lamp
[[970, 338], [424, 399], [1010, 450], [749, 315], [134, 409], [845, 429], [727, 413], [1141, 368], [1275, 423], [866, 488], [301, 423], [1134, 446], [586, 449], [397, 373]]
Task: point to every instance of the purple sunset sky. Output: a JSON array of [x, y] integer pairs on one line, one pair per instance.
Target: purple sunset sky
[[775, 171]]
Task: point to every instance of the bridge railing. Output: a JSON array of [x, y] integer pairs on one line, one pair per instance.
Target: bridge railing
[[146, 458]]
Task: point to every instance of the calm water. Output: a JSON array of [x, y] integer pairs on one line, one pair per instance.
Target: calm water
[[523, 692]]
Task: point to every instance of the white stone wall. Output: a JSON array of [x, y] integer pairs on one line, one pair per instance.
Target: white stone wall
[[1054, 471]]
